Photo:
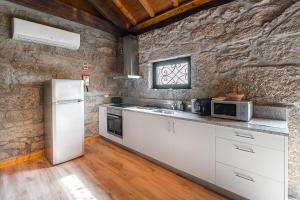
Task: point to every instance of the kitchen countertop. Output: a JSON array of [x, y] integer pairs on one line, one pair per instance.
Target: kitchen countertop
[[270, 126]]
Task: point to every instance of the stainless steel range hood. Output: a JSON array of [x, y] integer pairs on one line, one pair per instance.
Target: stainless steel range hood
[[130, 58]]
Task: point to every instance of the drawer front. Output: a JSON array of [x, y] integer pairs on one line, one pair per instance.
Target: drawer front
[[114, 138], [265, 162], [251, 137], [248, 185]]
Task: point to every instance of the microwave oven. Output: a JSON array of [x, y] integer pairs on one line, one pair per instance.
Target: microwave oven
[[236, 110]]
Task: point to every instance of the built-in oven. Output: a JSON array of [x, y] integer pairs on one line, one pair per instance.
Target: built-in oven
[[114, 122]]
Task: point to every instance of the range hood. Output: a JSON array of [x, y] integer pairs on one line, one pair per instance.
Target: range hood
[[130, 58]]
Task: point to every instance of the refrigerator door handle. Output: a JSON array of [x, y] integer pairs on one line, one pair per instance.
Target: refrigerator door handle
[[69, 101]]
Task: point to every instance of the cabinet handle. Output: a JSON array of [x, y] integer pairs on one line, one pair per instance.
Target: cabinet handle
[[113, 116], [244, 135], [246, 149], [173, 127], [248, 178]]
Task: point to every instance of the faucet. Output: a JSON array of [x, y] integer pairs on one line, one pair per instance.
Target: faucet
[[174, 103], [174, 106]]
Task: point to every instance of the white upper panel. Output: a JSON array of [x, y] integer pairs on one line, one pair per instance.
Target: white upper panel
[[64, 90]]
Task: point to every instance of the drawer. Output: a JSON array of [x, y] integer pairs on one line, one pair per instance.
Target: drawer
[[252, 137], [259, 160], [248, 185], [114, 138]]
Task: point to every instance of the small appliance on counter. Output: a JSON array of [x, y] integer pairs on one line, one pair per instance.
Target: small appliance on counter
[[236, 110], [201, 106], [194, 106], [116, 100]]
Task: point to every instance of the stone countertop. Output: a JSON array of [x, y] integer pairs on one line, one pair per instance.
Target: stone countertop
[[256, 124]]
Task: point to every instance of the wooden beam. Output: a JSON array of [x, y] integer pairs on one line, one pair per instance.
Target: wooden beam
[[82, 5], [103, 8], [171, 13], [181, 16], [125, 11], [175, 3], [57, 8], [147, 7]]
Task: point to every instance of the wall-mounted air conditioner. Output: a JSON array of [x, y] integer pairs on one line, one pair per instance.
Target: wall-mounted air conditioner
[[32, 32]]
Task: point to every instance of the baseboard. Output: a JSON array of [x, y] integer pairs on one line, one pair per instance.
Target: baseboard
[[91, 139], [21, 159], [38, 154]]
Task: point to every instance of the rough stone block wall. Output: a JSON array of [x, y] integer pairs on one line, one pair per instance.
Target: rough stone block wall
[[25, 66], [251, 45]]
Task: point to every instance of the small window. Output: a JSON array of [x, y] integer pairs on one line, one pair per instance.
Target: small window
[[172, 74]]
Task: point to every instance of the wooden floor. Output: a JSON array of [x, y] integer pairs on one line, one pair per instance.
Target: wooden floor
[[106, 172]]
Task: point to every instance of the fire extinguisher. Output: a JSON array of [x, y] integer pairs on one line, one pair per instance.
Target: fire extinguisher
[[86, 80]]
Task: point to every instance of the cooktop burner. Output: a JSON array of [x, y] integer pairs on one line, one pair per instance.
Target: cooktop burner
[[122, 105]]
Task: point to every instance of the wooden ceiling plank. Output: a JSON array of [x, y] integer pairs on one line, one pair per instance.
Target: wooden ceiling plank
[[82, 5], [147, 7], [104, 10], [59, 9], [171, 13], [175, 3], [125, 11]]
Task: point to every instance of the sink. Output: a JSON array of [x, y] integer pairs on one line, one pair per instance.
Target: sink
[[147, 108], [164, 111]]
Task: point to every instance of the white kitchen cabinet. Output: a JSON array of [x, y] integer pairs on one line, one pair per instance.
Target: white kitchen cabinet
[[252, 164], [247, 184], [249, 163], [148, 134], [133, 131], [103, 121], [194, 149], [263, 161], [251, 137], [184, 145], [158, 139]]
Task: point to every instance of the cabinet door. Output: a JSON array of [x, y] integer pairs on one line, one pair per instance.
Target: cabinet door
[[148, 134], [194, 147], [158, 138], [103, 121], [133, 130]]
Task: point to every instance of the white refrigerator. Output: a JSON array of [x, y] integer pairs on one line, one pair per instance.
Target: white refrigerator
[[64, 119]]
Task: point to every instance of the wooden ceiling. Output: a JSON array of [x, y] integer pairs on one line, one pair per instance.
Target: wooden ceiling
[[121, 17]]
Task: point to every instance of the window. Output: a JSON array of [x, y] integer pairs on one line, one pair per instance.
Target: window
[[172, 74]]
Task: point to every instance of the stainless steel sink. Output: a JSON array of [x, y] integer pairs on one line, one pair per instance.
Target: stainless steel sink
[[164, 111], [147, 108]]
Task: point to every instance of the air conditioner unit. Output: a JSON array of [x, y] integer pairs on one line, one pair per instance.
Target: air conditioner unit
[[32, 32]]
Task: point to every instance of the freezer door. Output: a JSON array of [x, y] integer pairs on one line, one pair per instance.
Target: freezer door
[[67, 90], [68, 136]]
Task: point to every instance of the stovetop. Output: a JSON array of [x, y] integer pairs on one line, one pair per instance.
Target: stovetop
[[122, 105]]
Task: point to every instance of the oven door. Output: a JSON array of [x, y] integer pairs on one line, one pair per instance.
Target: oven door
[[114, 125]]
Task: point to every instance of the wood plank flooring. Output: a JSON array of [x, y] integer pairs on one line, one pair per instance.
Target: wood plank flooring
[[106, 172]]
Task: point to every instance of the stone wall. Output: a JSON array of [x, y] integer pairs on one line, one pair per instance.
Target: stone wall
[[25, 66], [251, 45]]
